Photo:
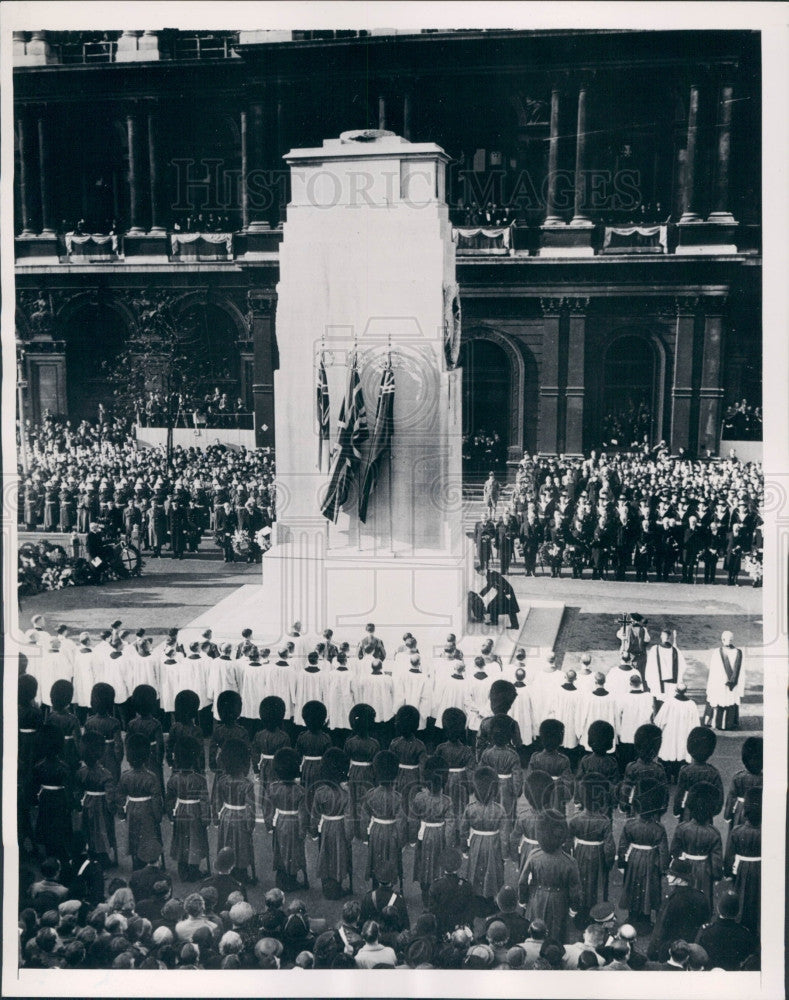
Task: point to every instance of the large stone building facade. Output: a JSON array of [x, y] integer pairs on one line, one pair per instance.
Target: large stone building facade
[[605, 188]]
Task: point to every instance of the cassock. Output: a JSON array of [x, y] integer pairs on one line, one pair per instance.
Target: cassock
[[664, 670], [281, 684], [632, 712], [725, 670], [376, 690], [521, 712], [569, 707], [222, 676], [339, 698], [449, 691], [413, 688], [599, 704], [253, 685], [308, 687], [477, 705], [52, 665], [543, 692], [82, 667], [676, 717]]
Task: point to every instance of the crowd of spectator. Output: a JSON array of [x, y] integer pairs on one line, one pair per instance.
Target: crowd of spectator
[[214, 409], [742, 422]]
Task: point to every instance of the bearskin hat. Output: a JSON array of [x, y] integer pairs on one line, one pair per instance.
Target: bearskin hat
[[601, 736], [314, 714], [187, 705], [753, 754], [551, 733], [500, 730], [502, 696], [334, 766], [102, 698], [551, 830], [272, 712], [407, 720], [753, 806], [234, 757], [485, 784], [703, 801], [92, 747], [453, 722], [434, 771], [539, 789], [138, 749], [187, 753], [144, 699], [701, 743], [385, 766], [647, 741], [594, 793], [27, 690], [228, 707], [360, 718], [61, 694], [651, 797], [287, 764]]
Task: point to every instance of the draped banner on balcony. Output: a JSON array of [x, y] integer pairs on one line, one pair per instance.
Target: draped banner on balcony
[[103, 241], [481, 240], [186, 240], [635, 239]]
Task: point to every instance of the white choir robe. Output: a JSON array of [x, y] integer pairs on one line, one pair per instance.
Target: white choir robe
[[413, 688], [585, 681], [196, 674], [325, 665], [477, 700], [220, 675], [569, 707], [51, 666], [543, 692], [376, 690], [658, 654], [253, 682], [171, 680], [339, 699], [676, 718], [718, 695], [82, 668], [145, 669], [303, 644], [448, 692], [69, 647], [400, 663], [521, 711], [115, 670], [632, 712], [308, 686], [597, 707], [281, 683], [617, 682], [493, 665]]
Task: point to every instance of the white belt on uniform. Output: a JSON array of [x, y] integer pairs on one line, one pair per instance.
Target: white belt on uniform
[[93, 795], [639, 847], [361, 763], [504, 777], [138, 798], [68, 737], [52, 788], [482, 833], [380, 822], [588, 843], [693, 857], [328, 819], [109, 741], [456, 770], [232, 808], [312, 758], [425, 825], [186, 802], [27, 731], [283, 812], [742, 858], [527, 840], [267, 756], [409, 767]]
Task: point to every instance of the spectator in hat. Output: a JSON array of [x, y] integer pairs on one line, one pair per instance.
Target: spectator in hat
[[682, 912], [451, 897]]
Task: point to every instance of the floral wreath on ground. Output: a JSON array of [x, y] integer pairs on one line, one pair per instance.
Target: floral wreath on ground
[[46, 566], [753, 566]]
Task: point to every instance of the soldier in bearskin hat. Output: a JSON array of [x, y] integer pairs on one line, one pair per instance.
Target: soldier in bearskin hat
[[646, 743], [698, 841], [312, 745], [549, 885], [538, 792], [360, 749], [233, 802], [330, 824], [383, 819], [187, 805], [743, 861], [269, 739], [104, 722], [138, 798], [554, 761], [458, 759], [643, 853], [144, 702], [701, 745], [483, 829], [287, 819], [432, 812], [593, 844]]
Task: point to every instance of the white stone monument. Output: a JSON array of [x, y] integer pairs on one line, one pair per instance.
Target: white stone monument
[[367, 268]]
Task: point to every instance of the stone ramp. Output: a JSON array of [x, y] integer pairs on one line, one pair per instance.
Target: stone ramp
[[540, 622]]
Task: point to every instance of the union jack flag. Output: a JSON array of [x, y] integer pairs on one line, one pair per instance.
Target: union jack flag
[[347, 456]]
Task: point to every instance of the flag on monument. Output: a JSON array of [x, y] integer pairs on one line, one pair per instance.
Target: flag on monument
[[322, 409], [381, 441], [352, 431]]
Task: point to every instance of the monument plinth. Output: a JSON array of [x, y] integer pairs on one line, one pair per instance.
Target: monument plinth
[[367, 274]]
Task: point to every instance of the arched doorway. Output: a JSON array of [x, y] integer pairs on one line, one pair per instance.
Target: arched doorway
[[94, 335], [630, 392], [486, 407], [210, 334]]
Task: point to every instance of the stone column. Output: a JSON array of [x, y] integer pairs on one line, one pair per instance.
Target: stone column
[[381, 111], [244, 190], [580, 218], [720, 192], [158, 222], [682, 388], [408, 99], [549, 377], [551, 218], [575, 389], [689, 213], [256, 163], [261, 318], [711, 390], [136, 200], [27, 173], [47, 227]]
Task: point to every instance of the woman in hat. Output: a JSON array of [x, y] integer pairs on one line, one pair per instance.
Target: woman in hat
[[643, 852], [234, 804], [286, 818], [431, 810], [549, 884], [698, 841], [383, 819], [187, 805], [330, 824], [483, 828]]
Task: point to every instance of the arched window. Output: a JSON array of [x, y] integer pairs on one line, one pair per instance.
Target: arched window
[[629, 391], [486, 406]]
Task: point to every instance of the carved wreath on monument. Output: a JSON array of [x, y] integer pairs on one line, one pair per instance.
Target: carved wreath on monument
[[452, 325]]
